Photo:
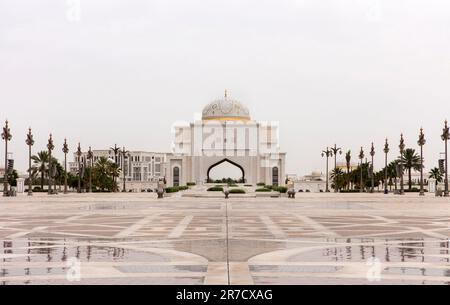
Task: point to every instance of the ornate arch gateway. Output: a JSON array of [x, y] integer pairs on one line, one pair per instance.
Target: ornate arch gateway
[[223, 161], [226, 133]]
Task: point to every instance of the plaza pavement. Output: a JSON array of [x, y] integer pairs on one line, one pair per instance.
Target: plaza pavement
[[138, 239]]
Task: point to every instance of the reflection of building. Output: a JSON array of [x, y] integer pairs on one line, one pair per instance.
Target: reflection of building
[[226, 134], [142, 169]]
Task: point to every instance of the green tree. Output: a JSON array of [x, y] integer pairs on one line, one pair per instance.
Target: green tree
[[338, 176], [392, 173], [411, 161], [436, 174], [40, 165], [348, 158], [12, 178], [102, 173]]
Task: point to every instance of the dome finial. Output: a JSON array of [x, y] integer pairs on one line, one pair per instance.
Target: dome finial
[[226, 93]]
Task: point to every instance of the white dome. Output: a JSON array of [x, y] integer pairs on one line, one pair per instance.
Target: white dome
[[225, 109]]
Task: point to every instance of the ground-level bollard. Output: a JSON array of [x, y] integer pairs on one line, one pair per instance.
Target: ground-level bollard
[[160, 189], [291, 193], [226, 192]]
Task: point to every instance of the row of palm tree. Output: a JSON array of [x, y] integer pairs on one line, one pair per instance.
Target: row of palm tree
[[103, 172], [351, 179]]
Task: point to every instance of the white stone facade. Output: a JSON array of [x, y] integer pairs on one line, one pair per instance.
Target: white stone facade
[[226, 134]]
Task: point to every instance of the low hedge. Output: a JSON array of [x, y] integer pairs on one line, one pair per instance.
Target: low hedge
[[263, 189], [260, 184], [215, 189], [174, 189], [190, 183], [281, 189], [237, 191], [248, 185]]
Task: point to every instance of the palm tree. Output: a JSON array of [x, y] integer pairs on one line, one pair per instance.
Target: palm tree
[[410, 160], [337, 175], [436, 174], [103, 172], [392, 173], [40, 165], [348, 158]]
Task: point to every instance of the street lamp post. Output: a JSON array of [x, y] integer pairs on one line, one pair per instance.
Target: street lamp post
[[421, 143], [116, 151], [90, 157], [402, 148], [124, 155], [7, 136], [79, 153], [445, 137], [328, 153], [361, 157], [335, 151], [30, 142], [50, 147], [65, 150], [386, 151], [372, 178]]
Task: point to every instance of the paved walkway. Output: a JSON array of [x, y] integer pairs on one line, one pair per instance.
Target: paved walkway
[[137, 239]]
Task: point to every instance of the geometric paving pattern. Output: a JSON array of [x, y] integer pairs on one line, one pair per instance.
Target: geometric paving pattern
[[138, 239]]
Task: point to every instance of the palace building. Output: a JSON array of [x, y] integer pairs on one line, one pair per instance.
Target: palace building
[[226, 133]]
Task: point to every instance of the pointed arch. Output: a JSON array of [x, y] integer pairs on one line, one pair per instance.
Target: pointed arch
[[229, 161]]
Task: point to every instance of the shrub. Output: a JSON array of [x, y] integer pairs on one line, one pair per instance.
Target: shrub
[[232, 184], [413, 190], [270, 187], [260, 184], [172, 189], [248, 185], [237, 191], [190, 183], [183, 188], [263, 189], [281, 189], [215, 189]]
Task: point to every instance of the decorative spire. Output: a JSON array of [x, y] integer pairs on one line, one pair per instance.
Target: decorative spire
[[226, 94]]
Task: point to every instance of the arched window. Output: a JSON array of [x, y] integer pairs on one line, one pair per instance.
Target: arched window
[[176, 176], [275, 176]]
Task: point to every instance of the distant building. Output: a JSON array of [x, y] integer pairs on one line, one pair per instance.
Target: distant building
[[314, 183], [142, 169]]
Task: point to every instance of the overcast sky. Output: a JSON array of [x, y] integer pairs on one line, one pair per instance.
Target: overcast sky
[[122, 71]]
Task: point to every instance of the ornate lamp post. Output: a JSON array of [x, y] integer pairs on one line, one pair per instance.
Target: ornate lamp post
[[386, 151], [335, 151], [90, 157], [402, 148], [421, 143], [65, 150], [445, 137], [7, 136], [30, 142], [116, 151], [372, 178], [361, 157], [79, 153], [124, 155], [328, 153], [50, 147]]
